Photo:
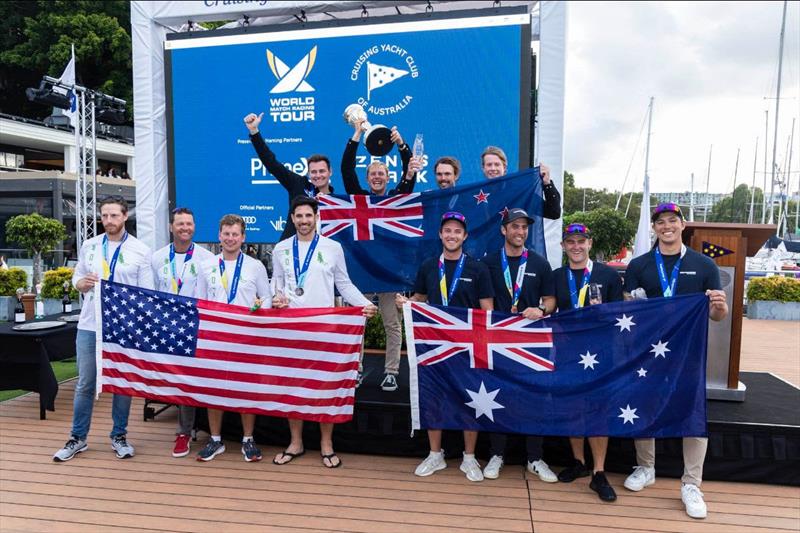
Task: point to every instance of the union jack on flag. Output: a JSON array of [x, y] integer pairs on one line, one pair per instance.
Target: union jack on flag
[[400, 214], [443, 332]]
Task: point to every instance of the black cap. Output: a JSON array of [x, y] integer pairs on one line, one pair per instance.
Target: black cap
[[515, 214]]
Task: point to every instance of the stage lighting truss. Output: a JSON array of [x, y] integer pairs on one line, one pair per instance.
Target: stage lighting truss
[[89, 107]]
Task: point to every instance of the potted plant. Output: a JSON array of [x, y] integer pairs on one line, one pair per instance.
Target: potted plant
[[38, 235], [10, 280], [773, 298]]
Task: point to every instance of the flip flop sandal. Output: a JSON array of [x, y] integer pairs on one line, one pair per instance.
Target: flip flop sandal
[[330, 457], [290, 455]]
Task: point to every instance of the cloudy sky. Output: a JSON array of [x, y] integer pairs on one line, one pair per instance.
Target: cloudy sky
[[709, 67]]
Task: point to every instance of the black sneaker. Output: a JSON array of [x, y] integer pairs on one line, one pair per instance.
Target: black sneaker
[[601, 486], [570, 474], [250, 451]]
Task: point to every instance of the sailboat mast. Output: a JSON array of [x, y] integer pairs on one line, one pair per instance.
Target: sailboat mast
[[753, 189], [777, 108], [707, 202]]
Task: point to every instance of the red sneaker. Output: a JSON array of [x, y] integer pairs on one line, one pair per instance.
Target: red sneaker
[[181, 448]]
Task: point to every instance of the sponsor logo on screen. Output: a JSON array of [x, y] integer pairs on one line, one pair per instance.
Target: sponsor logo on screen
[[380, 66], [292, 80]]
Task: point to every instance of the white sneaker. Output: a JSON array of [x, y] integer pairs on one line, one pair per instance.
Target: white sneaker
[[433, 463], [693, 500], [472, 468], [541, 469], [73, 447], [643, 476], [492, 470]]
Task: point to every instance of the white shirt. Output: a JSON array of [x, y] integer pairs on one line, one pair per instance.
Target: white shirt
[[132, 268], [188, 272], [253, 282], [327, 268]]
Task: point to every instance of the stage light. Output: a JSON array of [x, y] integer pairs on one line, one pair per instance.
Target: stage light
[[109, 109], [47, 96]]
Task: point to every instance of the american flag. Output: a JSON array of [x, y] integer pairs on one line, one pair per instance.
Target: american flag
[[443, 332], [298, 363], [622, 369], [397, 214]]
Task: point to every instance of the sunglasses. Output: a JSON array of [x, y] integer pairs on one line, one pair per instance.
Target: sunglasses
[[576, 228], [182, 211], [454, 215], [667, 208]]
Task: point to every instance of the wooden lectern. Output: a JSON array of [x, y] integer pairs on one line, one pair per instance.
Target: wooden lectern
[[725, 337]]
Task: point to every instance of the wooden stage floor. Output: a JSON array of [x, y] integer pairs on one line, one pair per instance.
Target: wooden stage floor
[[155, 492]]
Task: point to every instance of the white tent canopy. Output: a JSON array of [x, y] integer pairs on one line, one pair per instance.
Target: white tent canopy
[[151, 21]]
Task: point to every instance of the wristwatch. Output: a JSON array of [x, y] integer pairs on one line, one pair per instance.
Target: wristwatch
[[543, 309]]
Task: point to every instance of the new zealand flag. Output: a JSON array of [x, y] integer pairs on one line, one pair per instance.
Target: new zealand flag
[[624, 369], [386, 238]]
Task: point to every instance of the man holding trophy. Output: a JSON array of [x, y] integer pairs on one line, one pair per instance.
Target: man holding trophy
[[379, 141]]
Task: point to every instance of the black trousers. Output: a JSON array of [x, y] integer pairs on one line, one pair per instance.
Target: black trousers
[[533, 445]]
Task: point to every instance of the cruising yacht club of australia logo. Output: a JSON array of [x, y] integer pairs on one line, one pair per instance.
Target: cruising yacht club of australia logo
[[381, 65]]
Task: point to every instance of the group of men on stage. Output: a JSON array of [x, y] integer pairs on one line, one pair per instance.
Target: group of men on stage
[[512, 279]]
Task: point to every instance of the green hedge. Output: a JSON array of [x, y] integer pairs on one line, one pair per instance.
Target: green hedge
[[53, 286], [11, 280], [774, 288], [375, 336]]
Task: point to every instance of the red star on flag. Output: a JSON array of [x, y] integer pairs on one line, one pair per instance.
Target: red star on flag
[[504, 212], [482, 197]]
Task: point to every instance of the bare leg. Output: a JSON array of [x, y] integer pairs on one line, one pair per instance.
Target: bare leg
[[296, 444], [599, 446], [215, 421], [470, 439], [326, 444], [248, 424], [435, 439], [576, 443]]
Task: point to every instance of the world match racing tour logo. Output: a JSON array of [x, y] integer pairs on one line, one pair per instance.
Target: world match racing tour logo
[[290, 80], [381, 75]]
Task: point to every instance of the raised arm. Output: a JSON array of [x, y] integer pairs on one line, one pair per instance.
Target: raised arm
[[552, 198], [285, 177], [348, 168], [407, 182]]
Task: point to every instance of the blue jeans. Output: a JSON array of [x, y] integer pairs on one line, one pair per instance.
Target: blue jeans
[[85, 390]]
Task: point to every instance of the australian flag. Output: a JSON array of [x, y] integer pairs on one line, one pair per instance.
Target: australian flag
[[624, 369], [386, 238]]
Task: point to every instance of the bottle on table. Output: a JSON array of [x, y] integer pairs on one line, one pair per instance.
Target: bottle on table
[[38, 303], [66, 301], [19, 310]]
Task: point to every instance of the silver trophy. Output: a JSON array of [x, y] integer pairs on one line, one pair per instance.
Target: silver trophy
[[377, 138]]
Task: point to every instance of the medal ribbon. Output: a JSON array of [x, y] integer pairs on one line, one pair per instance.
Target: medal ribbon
[[108, 269], [237, 273], [447, 295], [517, 290], [668, 286], [579, 297], [300, 273], [177, 282]]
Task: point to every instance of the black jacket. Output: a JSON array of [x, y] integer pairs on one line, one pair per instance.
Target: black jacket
[[552, 202], [350, 178], [295, 184]]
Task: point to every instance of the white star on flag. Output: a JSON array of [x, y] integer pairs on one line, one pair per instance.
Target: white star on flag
[[625, 322], [588, 360], [628, 414], [483, 402], [642, 372], [660, 349]]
